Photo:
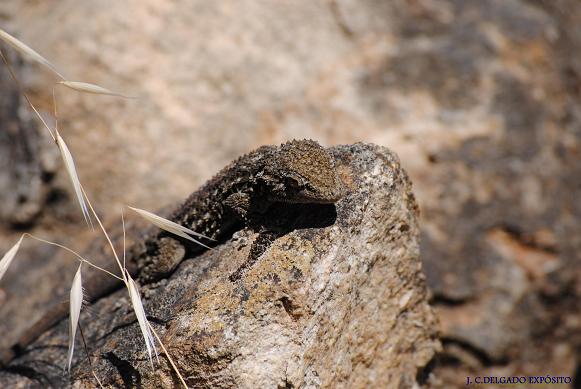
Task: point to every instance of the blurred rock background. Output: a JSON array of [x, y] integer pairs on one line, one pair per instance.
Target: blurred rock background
[[481, 99]]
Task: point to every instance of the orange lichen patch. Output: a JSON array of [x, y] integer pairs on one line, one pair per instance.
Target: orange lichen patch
[[346, 176], [534, 259], [259, 290], [278, 262]]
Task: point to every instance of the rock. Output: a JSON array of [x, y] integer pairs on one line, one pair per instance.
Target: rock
[[480, 99], [498, 177], [340, 302], [27, 158], [29, 196]]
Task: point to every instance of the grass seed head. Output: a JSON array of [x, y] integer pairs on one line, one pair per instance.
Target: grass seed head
[[172, 227], [91, 88], [76, 302], [72, 172], [24, 49], [141, 318], [8, 257]]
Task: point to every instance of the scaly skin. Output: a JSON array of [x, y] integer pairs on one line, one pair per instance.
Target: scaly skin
[[299, 171]]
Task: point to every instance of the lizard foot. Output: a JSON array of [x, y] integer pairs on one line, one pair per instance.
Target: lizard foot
[[262, 242]]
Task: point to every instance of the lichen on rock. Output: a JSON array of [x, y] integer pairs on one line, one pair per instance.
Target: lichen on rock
[[338, 302]]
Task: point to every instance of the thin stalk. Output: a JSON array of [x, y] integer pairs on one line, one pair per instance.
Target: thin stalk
[[21, 90], [123, 224], [173, 365], [74, 253], [56, 120], [89, 356], [106, 237]]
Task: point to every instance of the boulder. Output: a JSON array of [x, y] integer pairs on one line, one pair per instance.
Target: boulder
[[338, 302]]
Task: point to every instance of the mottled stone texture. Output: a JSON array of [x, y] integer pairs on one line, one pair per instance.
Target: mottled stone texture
[[481, 99], [27, 160], [340, 302]]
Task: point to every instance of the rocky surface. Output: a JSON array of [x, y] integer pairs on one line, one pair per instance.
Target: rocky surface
[[29, 195], [480, 98], [340, 302], [27, 160]]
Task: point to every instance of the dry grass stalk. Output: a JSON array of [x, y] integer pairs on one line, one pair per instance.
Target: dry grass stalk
[[89, 356], [92, 88], [21, 90], [141, 318], [76, 293], [83, 260], [172, 227], [167, 354], [8, 257], [72, 172], [76, 302], [24, 49]]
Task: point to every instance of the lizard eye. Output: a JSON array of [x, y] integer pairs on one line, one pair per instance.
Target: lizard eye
[[293, 182]]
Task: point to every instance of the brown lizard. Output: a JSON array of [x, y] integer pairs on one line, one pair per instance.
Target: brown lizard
[[299, 171]]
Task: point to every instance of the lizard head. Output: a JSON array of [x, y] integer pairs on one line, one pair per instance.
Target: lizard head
[[303, 172]]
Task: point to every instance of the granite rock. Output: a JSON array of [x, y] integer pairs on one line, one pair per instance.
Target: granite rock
[[339, 302]]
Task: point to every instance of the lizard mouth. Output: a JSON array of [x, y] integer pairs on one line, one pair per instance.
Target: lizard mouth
[[307, 197]]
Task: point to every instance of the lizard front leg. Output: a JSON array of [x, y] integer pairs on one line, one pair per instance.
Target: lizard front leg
[[239, 205], [160, 259], [262, 242]]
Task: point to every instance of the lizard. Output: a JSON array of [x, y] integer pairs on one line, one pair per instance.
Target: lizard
[[296, 172]]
